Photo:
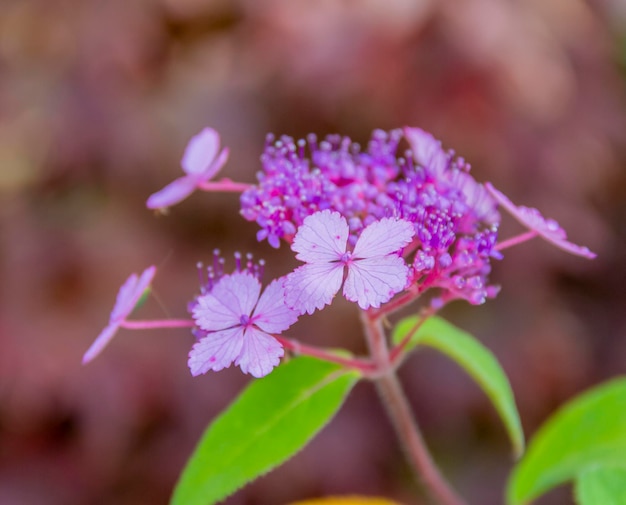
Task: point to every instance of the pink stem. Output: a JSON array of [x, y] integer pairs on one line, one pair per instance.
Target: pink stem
[[164, 323], [409, 296], [397, 352], [518, 239], [399, 411], [224, 185], [364, 366]]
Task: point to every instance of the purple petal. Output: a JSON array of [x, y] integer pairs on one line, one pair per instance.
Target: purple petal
[[173, 193], [312, 286], [215, 351], [101, 342], [201, 151], [232, 297], [383, 237], [260, 353], [427, 150], [373, 281], [130, 293], [124, 297], [271, 314], [216, 166], [476, 196], [549, 229], [127, 298], [322, 237]]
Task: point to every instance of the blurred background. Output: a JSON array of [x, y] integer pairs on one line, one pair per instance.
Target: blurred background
[[97, 102]]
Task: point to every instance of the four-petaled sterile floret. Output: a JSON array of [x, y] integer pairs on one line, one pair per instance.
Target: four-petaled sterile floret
[[201, 161], [127, 298], [375, 269], [239, 322]]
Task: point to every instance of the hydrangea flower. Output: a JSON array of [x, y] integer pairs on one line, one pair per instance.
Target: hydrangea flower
[[238, 325], [336, 175], [200, 162], [547, 228], [427, 151], [375, 271], [127, 298], [455, 218]]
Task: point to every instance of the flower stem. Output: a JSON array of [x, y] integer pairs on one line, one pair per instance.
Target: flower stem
[[225, 185], [399, 411], [364, 366], [164, 323], [518, 239]]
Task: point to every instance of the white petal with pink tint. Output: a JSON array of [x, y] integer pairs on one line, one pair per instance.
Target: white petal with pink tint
[[373, 281], [271, 313], [201, 151], [383, 237], [259, 354], [427, 150], [127, 298], [200, 162], [215, 351], [549, 229], [232, 297], [176, 191], [321, 237], [101, 342], [312, 286]]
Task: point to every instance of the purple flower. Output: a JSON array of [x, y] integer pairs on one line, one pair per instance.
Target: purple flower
[[335, 175], [375, 271], [238, 324], [127, 298], [427, 151], [200, 162], [548, 229]]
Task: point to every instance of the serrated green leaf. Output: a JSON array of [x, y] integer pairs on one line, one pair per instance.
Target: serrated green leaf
[[476, 359], [269, 422], [601, 486], [588, 432]]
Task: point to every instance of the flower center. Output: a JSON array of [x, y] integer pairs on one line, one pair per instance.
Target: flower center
[[346, 258]]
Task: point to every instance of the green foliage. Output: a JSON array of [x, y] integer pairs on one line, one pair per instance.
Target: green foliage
[[475, 358], [586, 434], [602, 486], [269, 422]]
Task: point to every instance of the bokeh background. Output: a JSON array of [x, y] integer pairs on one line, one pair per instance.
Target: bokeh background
[[97, 102]]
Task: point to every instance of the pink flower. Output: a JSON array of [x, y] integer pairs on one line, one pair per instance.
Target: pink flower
[[375, 270], [548, 229], [239, 323], [427, 151], [127, 298], [200, 162]]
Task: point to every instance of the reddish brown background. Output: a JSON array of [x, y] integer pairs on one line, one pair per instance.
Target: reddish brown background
[[97, 101]]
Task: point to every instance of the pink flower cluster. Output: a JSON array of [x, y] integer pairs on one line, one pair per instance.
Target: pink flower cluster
[[385, 224]]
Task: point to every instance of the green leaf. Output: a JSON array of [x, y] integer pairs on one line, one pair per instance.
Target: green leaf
[[475, 358], [269, 422], [602, 486], [588, 432]]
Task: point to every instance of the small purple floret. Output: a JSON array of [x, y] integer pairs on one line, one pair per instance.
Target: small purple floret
[[237, 321], [201, 161], [127, 298]]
